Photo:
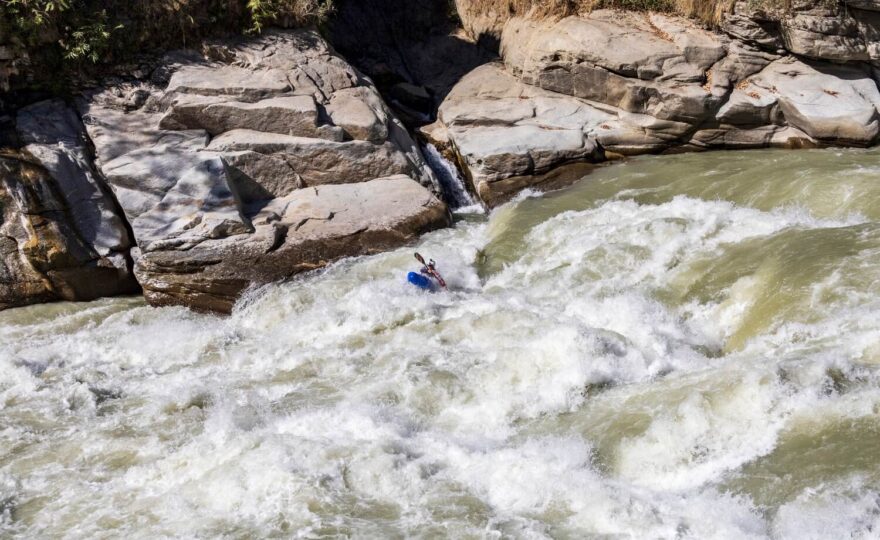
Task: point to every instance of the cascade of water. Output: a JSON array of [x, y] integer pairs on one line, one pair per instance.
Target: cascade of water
[[451, 182]]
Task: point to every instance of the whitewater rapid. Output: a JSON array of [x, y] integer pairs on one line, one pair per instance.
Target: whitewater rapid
[[676, 347]]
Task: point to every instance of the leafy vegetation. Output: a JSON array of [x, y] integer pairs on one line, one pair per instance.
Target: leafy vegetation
[[93, 31], [91, 41], [287, 12], [25, 19]]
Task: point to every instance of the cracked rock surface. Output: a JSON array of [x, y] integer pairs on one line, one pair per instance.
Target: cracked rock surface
[[586, 88], [61, 235], [261, 159]]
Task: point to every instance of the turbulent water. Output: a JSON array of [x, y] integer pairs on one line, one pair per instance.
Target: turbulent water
[[676, 347]]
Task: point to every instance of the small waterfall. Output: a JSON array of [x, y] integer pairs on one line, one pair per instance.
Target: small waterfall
[[451, 182]]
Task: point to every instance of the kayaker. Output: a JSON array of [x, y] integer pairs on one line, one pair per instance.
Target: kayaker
[[427, 276]]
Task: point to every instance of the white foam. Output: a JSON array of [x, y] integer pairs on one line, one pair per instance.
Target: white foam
[[557, 397], [847, 509]]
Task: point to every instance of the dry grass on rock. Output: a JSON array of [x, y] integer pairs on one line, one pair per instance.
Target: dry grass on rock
[[709, 12]]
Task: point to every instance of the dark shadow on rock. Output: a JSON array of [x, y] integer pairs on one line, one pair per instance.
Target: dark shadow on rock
[[8, 135], [846, 72], [489, 42], [414, 50]]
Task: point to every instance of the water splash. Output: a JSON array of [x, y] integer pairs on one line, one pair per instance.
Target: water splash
[[579, 387]]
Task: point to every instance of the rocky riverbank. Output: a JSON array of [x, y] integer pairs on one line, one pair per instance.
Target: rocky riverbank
[[613, 83], [247, 164], [251, 160]]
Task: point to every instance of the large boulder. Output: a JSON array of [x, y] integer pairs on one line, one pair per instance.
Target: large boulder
[[62, 235], [643, 64], [835, 31], [302, 231], [833, 104], [509, 134], [265, 158]]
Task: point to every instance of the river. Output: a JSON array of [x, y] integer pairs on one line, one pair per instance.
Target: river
[[675, 347]]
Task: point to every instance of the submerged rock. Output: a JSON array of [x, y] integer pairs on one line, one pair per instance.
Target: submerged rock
[[269, 157]]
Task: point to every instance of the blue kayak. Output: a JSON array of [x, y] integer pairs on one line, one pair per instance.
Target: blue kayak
[[420, 281]]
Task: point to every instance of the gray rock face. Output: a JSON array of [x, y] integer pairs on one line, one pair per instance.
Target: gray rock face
[[317, 161], [302, 231], [61, 237], [288, 115], [238, 82], [835, 104], [835, 31], [652, 65], [824, 34], [505, 129], [269, 157], [202, 205], [580, 89], [54, 135]]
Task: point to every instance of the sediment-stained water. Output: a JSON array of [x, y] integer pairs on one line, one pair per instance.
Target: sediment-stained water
[[676, 347]]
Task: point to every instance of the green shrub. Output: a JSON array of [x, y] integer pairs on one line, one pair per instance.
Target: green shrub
[[26, 21], [88, 30], [91, 41]]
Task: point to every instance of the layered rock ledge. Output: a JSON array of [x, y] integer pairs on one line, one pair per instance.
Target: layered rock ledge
[[265, 158], [612, 83], [239, 166]]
